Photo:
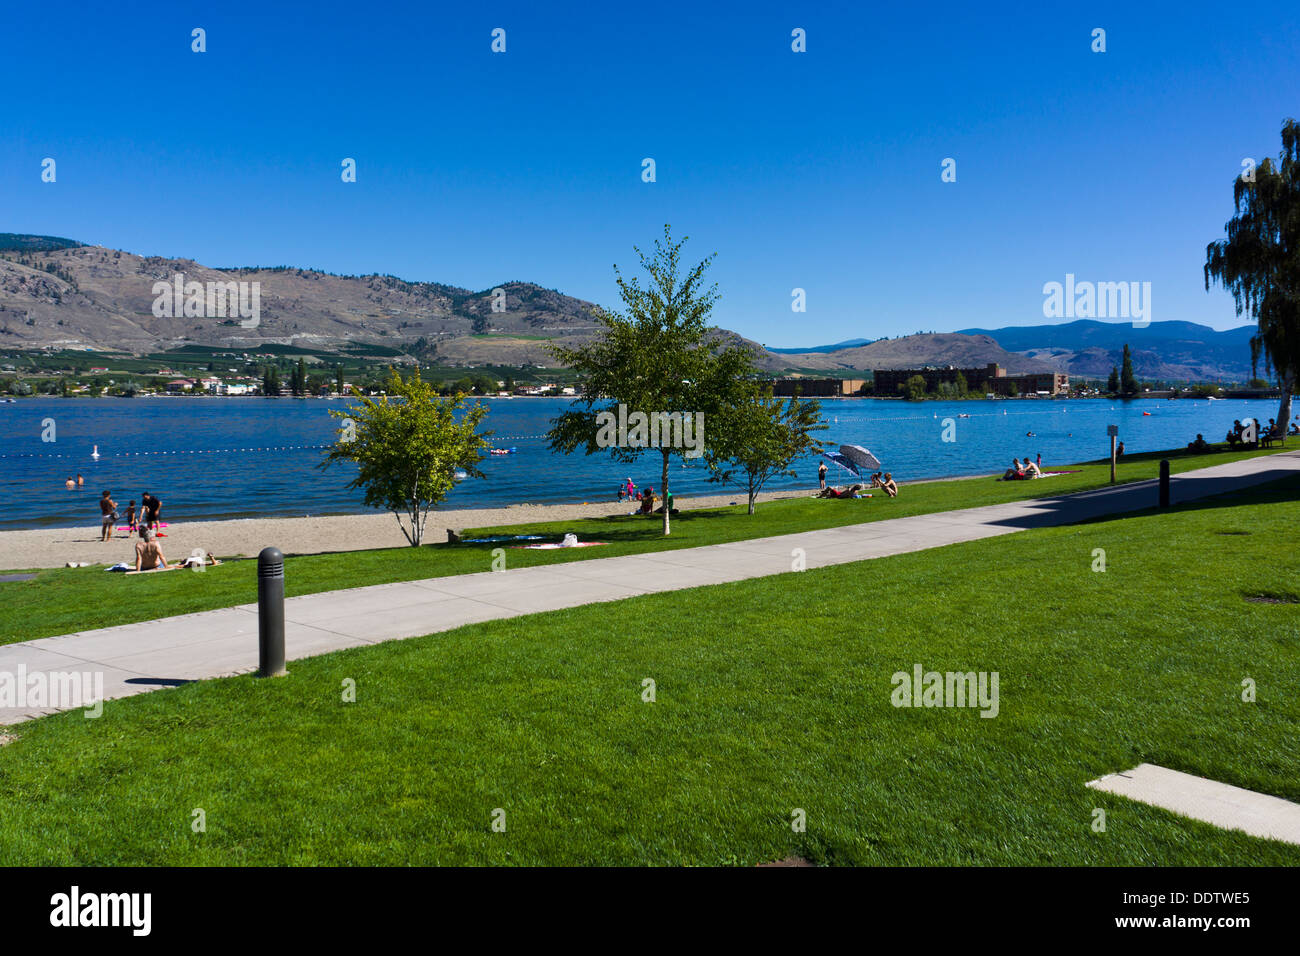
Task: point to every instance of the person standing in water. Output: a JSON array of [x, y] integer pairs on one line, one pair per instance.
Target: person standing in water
[[80, 481]]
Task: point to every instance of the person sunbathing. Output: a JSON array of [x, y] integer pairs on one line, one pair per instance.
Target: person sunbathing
[[148, 555], [889, 485], [1015, 471], [1031, 469], [852, 491]]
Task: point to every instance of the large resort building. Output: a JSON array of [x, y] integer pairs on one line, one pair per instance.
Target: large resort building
[[991, 379]]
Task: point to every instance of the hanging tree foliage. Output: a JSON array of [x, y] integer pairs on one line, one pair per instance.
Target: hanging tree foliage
[[1259, 261]]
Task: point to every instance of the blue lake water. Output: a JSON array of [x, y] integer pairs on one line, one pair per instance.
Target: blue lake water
[[248, 457]]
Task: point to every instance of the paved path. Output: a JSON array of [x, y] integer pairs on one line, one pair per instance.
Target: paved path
[[1220, 804], [135, 658]]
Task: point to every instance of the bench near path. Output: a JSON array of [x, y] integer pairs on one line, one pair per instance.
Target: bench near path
[[151, 655]]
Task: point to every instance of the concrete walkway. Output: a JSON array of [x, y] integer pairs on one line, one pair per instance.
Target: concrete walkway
[[1219, 804], [135, 658]]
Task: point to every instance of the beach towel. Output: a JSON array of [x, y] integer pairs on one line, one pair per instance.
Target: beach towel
[[1046, 474], [503, 537], [557, 544]]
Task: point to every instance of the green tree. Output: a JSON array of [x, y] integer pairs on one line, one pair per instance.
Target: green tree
[[962, 388], [338, 378], [914, 388], [298, 380], [1128, 383], [271, 381], [660, 359], [1112, 383], [761, 437], [407, 447], [1259, 261]]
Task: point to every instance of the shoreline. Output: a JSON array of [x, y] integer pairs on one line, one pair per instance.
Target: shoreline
[[43, 548]]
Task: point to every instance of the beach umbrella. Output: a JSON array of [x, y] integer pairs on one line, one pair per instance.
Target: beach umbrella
[[860, 457], [843, 462]]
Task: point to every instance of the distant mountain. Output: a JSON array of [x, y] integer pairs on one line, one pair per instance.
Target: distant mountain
[[14, 240], [62, 294], [1162, 350], [915, 351], [846, 344], [59, 293]]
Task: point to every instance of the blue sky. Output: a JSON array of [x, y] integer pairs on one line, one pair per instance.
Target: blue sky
[[818, 170]]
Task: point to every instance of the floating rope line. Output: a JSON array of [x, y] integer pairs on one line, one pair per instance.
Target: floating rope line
[[203, 451], [191, 451]]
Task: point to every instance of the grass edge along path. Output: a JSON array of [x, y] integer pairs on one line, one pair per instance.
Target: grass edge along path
[[67, 600], [771, 694]]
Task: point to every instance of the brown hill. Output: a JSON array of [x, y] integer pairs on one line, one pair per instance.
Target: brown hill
[[90, 296], [915, 351]]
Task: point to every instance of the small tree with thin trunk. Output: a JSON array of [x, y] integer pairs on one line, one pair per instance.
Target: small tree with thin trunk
[[1259, 261], [407, 447], [660, 359], [760, 437]]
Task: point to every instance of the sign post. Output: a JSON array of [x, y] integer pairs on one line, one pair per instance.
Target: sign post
[[1112, 431]]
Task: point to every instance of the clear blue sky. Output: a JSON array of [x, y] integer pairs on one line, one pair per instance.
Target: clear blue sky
[[818, 170]]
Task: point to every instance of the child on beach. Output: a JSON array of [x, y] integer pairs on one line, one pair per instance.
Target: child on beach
[[130, 518]]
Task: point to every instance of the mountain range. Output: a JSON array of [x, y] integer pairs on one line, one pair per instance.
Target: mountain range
[[59, 293]]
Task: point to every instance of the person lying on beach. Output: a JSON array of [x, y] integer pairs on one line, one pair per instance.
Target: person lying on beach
[[192, 561], [889, 485], [852, 491], [148, 555]]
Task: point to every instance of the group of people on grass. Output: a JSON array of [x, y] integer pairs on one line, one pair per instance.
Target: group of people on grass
[[883, 481], [1270, 432], [648, 499], [1029, 469]]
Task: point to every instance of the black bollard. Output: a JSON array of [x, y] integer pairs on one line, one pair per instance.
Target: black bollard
[[270, 613], [1164, 483]]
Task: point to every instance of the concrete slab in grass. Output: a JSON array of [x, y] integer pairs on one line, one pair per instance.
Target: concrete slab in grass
[[1209, 801]]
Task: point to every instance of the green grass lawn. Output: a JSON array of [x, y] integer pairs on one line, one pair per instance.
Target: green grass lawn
[[64, 600], [772, 694]]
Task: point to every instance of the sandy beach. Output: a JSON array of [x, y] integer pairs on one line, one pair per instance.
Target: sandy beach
[[55, 547]]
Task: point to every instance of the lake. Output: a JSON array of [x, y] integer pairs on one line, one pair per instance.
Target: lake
[[216, 458]]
